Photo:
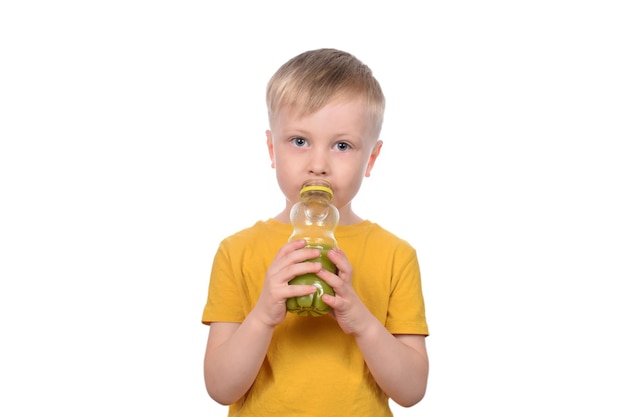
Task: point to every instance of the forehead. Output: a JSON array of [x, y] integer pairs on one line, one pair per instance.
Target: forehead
[[350, 116], [338, 107]]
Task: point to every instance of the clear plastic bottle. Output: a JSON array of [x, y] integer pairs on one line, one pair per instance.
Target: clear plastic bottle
[[314, 218]]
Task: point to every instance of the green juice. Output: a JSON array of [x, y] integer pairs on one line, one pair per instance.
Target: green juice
[[312, 304]]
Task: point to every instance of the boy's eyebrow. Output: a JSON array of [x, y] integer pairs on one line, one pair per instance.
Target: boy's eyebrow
[[295, 130]]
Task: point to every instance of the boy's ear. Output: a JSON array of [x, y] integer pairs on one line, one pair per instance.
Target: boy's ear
[[270, 147], [373, 156]]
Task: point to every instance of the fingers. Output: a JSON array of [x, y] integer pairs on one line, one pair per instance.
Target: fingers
[[295, 252], [300, 290], [341, 282], [339, 258], [344, 270], [290, 262], [292, 270]]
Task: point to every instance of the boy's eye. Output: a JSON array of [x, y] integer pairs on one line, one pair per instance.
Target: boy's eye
[[299, 141], [343, 146]]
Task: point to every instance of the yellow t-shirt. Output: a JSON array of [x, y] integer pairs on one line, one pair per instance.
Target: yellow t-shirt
[[312, 368]]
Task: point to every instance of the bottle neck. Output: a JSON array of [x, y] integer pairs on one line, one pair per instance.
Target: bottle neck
[[316, 195]]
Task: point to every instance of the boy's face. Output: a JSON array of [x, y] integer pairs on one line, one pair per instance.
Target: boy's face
[[336, 143]]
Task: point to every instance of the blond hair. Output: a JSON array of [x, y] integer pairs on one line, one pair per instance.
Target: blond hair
[[310, 80]]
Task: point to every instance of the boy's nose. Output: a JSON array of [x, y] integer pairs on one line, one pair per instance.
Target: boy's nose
[[318, 164]]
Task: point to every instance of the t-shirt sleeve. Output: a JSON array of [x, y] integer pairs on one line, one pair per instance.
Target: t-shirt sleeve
[[224, 300], [406, 313]]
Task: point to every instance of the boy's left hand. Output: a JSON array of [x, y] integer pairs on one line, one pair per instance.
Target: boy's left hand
[[347, 308]]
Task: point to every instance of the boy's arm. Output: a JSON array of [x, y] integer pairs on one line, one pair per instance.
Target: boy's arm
[[399, 363], [235, 351], [234, 354]]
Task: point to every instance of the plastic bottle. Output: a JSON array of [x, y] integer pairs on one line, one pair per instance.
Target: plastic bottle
[[314, 218]]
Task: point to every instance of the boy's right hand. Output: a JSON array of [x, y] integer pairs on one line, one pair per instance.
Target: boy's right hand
[[270, 308]]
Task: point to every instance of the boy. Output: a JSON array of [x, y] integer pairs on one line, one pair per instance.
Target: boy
[[325, 115]]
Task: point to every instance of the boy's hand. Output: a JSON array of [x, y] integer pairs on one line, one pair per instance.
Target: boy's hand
[[351, 314], [270, 308]]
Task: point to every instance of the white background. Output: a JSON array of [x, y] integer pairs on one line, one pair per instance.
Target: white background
[[132, 142]]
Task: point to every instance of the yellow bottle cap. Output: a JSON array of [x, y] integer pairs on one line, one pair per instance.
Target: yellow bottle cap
[[317, 188]]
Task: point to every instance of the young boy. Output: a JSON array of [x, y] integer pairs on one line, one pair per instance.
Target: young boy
[[325, 115]]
